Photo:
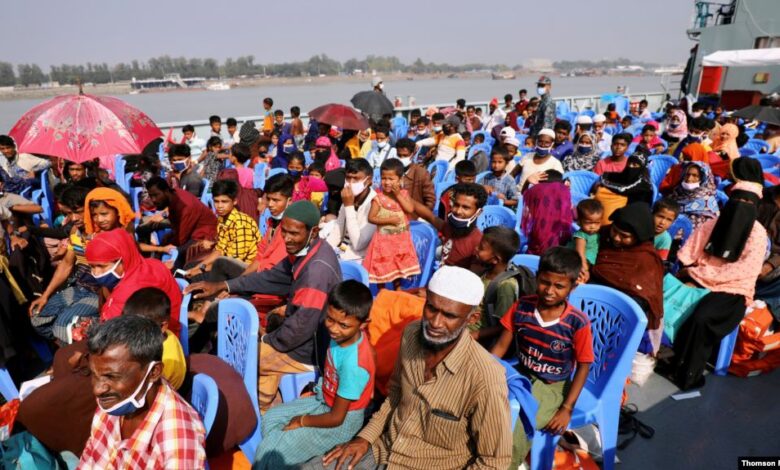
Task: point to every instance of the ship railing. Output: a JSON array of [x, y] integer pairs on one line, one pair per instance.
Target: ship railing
[[575, 103]]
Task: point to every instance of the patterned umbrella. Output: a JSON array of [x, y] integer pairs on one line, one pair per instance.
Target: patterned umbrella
[[84, 127], [340, 116]]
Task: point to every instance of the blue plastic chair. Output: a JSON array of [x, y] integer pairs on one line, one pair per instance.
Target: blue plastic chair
[[7, 387], [529, 261], [659, 166], [47, 197], [258, 180], [617, 324], [489, 140], [562, 110], [438, 170], [481, 176], [721, 197], [757, 145], [205, 195], [440, 188], [205, 399], [496, 215], [476, 148], [277, 171], [237, 328], [768, 161], [184, 319], [581, 181], [682, 222], [399, 121], [376, 180], [120, 173], [425, 240], [291, 385], [262, 223], [352, 270], [725, 351], [747, 152]]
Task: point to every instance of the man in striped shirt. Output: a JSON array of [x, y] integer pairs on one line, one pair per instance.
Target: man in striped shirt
[[447, 402]]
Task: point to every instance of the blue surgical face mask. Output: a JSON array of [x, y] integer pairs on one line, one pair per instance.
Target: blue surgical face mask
[[542, 151], [179, 166], [584, 148], [288, 148], [294, 174], [458, 223], [674, 125], [541, 91], [110, 278], [130, 405]]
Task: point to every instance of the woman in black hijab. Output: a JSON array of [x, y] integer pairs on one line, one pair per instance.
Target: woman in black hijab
[[724, 255], [633, 182]]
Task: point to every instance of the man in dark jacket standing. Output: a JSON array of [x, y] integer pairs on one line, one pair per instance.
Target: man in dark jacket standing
[[305, 277], [545, 113]]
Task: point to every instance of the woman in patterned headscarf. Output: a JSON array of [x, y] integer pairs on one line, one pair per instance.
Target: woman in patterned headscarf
[[695, 193], [585, 155]]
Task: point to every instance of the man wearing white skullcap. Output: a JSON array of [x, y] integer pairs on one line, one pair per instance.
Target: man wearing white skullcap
[[447, 402], [603, 139], [533, 165]]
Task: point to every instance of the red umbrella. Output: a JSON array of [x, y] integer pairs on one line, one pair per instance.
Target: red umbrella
[[340, 116], [84, 127]]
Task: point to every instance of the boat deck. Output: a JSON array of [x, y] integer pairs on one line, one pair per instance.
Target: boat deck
[[733, 417]]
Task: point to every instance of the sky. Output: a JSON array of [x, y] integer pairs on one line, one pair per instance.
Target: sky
[[506, 32]]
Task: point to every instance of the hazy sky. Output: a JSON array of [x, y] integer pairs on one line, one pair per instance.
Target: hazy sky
[[458, 31]]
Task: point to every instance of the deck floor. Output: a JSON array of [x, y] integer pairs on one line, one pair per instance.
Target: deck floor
[[734, 417]]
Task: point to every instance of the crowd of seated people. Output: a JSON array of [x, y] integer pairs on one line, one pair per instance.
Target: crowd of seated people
[[98, 267]]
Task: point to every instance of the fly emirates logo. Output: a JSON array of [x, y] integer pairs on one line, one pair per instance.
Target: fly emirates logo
[[531, 361]]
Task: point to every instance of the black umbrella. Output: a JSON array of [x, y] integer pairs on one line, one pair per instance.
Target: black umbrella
[[767, 114], [372, 103]]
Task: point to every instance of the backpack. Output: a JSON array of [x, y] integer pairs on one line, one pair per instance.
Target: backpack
[[526, 283]]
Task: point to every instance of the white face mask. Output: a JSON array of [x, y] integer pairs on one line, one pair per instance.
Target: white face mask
[[358, 187], [305, 250], [437, 129], [130, 404], [541, 91], [690, 186], [696, 114], [381, 145], [405, 161]]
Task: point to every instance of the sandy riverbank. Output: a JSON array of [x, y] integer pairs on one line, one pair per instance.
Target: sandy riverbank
[[123, 88]]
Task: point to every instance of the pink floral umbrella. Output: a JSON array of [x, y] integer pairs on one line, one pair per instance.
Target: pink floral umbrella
[[84, 127]]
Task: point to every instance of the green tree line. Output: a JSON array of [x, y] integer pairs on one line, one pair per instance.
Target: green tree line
[[32, 74]]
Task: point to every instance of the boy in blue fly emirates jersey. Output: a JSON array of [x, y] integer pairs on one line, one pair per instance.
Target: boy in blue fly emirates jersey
[[553, 341]]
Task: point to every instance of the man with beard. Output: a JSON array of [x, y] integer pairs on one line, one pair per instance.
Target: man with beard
[[447, 402]]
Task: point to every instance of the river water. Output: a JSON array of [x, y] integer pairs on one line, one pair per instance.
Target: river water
[[197, 105]]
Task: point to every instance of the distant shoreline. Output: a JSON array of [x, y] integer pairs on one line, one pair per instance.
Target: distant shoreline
[[123, 88]]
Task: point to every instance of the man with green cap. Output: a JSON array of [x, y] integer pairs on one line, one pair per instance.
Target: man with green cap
[[305, 277]]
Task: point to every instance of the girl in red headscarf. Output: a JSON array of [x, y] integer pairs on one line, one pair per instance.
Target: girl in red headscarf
[[118, 266]]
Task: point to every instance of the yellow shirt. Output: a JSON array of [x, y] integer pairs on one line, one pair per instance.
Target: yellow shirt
[[174, 362]]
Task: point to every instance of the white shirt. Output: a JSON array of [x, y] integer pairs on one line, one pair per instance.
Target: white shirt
[[605, 144], [498, 117], [377, 155], [530, 167], [26, 162], [355, 224]]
